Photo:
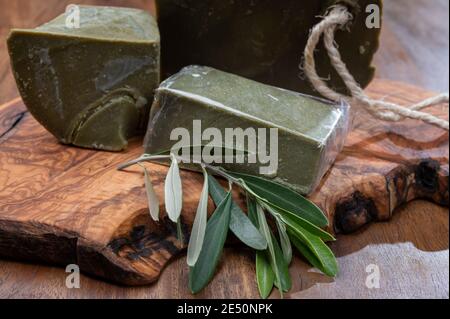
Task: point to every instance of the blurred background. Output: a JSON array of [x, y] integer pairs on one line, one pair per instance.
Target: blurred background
[[414, 49]]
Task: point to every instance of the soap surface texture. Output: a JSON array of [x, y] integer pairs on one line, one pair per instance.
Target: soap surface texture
[[90, 86], [311, 132], [263, 39]]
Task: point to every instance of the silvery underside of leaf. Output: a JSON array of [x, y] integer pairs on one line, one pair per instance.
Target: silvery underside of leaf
[[152, 198], [297, 219], [199, 227], [174, 192]]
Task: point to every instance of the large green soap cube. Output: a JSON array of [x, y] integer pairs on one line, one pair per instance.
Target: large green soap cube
[[90, 86], [311, 132], [263, 40]]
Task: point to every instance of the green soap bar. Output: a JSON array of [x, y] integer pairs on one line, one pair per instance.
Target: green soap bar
[[311, 132], [90, 86], [262, 39]]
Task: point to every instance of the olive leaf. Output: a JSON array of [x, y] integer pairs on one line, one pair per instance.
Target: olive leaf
[[245, 231], [199, 226], [174, 192], [252, 213], [280, 196], [286, 246], [279, 265], [180, 235], [285, 282], [324, 258], [152, 198], [240, 224], [306, 252], [216, 234], [264, 274], [296, 221]]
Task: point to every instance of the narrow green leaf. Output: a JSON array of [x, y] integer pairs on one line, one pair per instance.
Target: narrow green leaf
[[284, 198], [264, 274], [244, 229], [152, 198], [216, 234], [240, 224], [252, 214], [265, 230], [326, 260], [278, 263], [199, 226], [174, 192], [306, 252], [286, 246], [285, 277], [295, 221], [180, 235]]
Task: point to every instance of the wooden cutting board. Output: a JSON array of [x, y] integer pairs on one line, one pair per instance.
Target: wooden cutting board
[[63, 205]]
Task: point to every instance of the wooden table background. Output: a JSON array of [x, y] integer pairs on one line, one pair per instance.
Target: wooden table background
[[412, 251]]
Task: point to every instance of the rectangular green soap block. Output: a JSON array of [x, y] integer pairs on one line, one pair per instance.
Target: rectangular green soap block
[[90, 86], [311, 132]]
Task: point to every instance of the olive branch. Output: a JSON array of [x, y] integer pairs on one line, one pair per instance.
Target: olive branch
[[298, 222]]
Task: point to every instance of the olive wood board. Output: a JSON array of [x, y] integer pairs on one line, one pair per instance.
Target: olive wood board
[[63, 205]]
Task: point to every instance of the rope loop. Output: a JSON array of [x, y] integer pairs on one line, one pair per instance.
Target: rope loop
[[339, 17]]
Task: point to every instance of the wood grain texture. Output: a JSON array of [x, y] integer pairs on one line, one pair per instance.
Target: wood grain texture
[[422, 270], [385, 165], [65, 205], [415, 43], [412, 265]]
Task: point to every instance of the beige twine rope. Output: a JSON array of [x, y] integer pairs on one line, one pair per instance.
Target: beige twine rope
[[339, 17]]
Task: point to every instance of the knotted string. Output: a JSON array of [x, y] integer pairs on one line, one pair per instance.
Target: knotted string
[[338, 18]]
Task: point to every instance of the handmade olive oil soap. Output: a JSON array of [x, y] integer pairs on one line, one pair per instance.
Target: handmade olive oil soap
[[90, 86], [262, 39], [310, 132]]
